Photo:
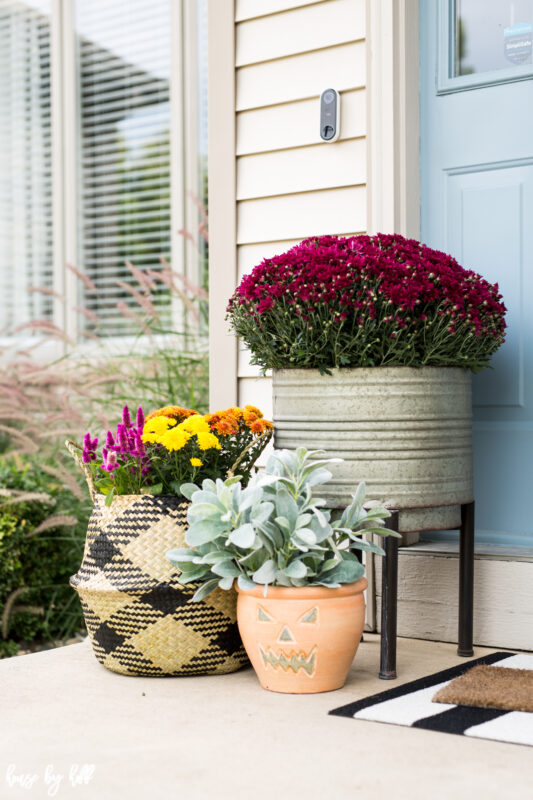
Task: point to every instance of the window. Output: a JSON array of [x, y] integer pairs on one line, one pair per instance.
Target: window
[[26, 258], [97, 137], [483, 43], [492, 36]]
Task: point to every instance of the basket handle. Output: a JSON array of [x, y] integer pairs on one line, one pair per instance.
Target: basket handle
[[74, 449], [264, 438]]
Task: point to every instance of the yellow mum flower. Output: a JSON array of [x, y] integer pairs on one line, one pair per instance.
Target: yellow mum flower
[[151, 438], [208, 441], [196, 462], [155, 428], [196, 424], [175, 439]]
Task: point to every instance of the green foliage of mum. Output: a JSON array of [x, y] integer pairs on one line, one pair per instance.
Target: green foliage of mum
[[276, 531]]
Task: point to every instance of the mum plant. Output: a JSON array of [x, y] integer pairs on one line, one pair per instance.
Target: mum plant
[[276, 531], [156, 454], [365, 301]]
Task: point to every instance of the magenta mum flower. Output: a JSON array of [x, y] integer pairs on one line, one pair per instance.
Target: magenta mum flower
[[334, 301]]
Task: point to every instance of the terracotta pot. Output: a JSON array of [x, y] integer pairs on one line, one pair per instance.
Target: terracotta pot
[[302, 639]]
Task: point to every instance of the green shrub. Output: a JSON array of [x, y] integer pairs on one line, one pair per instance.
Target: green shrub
[[42, 530]]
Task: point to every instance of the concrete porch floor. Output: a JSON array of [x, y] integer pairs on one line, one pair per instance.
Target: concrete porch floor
[[226, 738]]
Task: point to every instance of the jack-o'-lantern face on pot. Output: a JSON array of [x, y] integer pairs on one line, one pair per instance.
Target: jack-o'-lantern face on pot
[[291, 643], [302, 639]]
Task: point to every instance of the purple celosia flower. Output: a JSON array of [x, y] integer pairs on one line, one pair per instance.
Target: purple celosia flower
[[123, 450], [89, 448], [122, 438], [140, 449], [110, 463], [126, 417]]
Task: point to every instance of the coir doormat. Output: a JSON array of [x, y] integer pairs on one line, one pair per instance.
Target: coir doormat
[[488, 686], [412, 705]]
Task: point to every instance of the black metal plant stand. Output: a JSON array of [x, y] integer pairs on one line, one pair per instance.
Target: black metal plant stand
[[389, 592]]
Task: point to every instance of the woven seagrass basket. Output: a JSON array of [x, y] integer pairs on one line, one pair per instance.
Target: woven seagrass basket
[[138, 615]]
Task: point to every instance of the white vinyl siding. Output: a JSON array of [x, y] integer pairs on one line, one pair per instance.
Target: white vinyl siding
[[294, 125], [428, 598], [287, 171], [299, 30], [290, 184], [248, 9], [300, 76], [299, 215]]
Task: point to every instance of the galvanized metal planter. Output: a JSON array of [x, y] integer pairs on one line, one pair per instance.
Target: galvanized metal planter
[[406, 432]]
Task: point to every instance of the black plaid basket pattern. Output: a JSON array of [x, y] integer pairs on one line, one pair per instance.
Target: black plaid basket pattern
[[138, 615]]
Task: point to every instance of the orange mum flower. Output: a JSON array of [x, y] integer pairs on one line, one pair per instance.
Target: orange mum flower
[[227, 426], [254, 410], [176, 412], [261, 425], [212, 419], [223, 422]]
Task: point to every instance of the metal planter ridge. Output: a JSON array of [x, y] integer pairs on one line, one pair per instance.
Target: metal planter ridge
[[405, 431]]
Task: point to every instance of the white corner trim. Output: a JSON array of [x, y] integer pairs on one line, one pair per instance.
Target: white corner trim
[[393, 117], [222, 200]]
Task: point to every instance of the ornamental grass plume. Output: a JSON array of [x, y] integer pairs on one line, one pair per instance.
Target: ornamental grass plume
[[366, 301]]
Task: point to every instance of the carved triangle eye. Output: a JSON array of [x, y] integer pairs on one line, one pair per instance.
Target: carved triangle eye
[[264, 616], [310, 616]]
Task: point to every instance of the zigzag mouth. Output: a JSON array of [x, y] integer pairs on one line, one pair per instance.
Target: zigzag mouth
[[293, 660]]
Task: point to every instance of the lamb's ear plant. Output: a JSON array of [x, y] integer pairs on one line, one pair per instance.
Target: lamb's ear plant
[[276, 531]]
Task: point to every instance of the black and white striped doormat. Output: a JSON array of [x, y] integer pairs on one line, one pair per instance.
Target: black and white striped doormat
[[411, 704]]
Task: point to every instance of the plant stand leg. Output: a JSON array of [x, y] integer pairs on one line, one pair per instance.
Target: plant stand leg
[[466, 581], [389, 602], [359, 556]]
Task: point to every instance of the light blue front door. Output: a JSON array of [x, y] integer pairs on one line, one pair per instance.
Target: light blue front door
[[476, 138]]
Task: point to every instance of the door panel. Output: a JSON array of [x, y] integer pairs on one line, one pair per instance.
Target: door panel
[[477, 204], [487, 211]]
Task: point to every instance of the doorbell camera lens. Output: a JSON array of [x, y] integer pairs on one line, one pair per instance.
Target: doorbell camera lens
[[329, 115]]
